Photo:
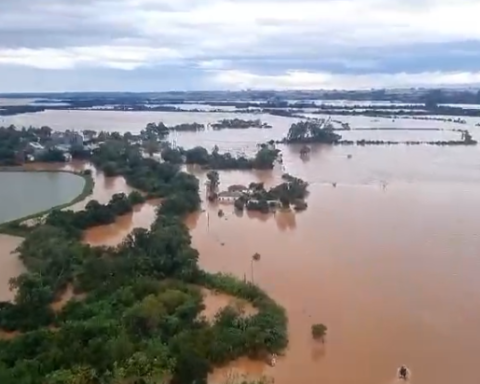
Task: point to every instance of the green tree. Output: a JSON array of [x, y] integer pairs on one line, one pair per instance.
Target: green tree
[[319, 331]]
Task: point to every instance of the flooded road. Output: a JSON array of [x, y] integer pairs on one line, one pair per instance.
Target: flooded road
[[388, 259]]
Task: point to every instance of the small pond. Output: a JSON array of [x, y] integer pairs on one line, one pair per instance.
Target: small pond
[[26, 193]]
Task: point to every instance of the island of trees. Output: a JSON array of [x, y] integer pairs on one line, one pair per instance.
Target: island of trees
[[239, 124], [311, 131], [291, 192], [161, 129], [315, 132], [136, 314]]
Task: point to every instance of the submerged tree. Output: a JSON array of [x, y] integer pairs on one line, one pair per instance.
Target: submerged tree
[[213, 179], [305, 132], [319, 331]]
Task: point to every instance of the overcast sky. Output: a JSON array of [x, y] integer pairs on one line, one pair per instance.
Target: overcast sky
[[155, 45]]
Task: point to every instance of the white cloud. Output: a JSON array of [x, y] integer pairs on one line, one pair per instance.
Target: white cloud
[[221, 34], [312, 80], [245, 27], [120, 57]]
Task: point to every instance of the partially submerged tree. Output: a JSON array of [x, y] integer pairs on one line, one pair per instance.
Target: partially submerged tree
[[319, 331], [305, 132]]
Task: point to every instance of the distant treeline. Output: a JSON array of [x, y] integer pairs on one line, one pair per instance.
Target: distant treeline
[[419, 102], [412, 95]]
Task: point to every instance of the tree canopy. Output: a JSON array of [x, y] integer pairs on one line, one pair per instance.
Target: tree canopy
[[305, 132]]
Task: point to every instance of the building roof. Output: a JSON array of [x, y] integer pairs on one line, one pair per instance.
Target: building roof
[[35, 145], [229, 194]]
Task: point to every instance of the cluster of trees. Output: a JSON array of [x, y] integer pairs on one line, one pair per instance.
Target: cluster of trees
[[311, 131], [154, 130], [156, 179], [160, 130], [264, 158], [292, 191], [139, 318], [239, 124], [319, 331], [188, 127], [13, 142], [14, 146], [94, 213], [213, 179], [116, 154]]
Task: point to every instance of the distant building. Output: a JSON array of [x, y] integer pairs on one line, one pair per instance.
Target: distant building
[[237, 188], [229, 197], [67, 138], [35, 149], [67, 156], [91, 147]]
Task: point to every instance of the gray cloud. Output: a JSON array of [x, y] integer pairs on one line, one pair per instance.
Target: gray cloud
[[205, 38], [60, 23]]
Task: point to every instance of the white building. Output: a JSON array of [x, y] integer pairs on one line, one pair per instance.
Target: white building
[[37, 149], [70, 138]]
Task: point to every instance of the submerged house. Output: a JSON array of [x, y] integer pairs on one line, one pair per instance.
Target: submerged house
[[36, 149], [68, 138], [237, 188], [229, 196]]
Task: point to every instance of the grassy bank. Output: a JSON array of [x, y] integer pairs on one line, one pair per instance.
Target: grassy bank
[[15, 227]]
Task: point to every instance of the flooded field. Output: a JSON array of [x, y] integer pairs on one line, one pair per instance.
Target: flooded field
[[387, 259]]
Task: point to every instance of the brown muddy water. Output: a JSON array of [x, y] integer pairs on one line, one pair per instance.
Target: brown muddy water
[[388, 259]]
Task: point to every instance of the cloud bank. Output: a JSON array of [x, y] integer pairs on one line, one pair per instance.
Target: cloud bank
[[56, 45]]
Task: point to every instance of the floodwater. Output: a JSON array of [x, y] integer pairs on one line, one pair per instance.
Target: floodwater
[[26, 193], [387, 259], [113, 234], [216, 301]]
